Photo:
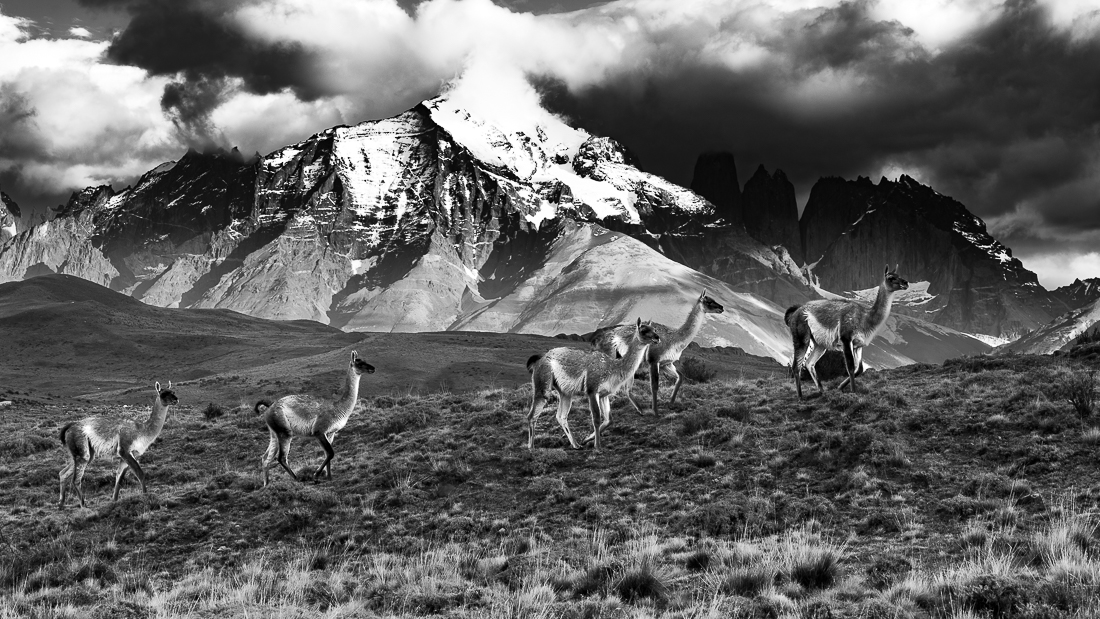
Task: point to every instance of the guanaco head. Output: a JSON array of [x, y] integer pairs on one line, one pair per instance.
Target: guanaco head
[[361, 367], [645, 333], [893, 281], [166, 395], [710, 306]]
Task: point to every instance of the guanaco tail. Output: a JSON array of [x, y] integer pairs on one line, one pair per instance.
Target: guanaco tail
[[87, 438], [818, 326], [662, 356], [305, 415], [572, 371]]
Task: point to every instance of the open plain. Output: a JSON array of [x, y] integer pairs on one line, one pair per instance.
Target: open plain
[[964, 490]]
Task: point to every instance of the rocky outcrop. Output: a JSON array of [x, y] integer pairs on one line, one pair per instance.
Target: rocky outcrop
[[833, 206], [1079, 293], [10, 224], [715, 178], [974, 283], [771, 212]]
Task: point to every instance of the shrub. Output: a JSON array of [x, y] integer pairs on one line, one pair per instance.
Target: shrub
[[1079, 389], [696, 370], [213, 411]]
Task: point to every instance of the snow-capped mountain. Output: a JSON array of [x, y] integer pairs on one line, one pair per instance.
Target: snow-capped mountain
[[438, 219]]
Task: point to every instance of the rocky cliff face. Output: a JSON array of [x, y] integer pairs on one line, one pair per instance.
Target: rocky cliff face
[[754, 244], [715, 178], [974, 284], [833, 206], [1079, 293], [771, 213], [9, 218]]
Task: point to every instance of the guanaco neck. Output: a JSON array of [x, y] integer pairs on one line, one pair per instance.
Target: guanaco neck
[[155, 423], [691, 326], [880, 311], [346, 402]]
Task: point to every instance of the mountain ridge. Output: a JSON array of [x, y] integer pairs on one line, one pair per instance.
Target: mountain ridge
[[429, 220]]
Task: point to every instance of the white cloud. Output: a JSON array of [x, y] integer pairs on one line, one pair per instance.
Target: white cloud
[[1061, 268], [80, 32], [264, 123], [938, 23], [97, 121], [91, 122]]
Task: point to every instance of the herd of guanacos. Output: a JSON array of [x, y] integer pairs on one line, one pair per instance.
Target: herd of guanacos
[[597, 373]]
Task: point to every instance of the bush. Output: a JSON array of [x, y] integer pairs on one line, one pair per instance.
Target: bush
[[213, 411], [696, 371], [1079, 389]]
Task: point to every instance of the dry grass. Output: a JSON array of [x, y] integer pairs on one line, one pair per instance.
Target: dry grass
[[956, 491]]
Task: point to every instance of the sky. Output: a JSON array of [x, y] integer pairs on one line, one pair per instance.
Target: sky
[[993, 102]]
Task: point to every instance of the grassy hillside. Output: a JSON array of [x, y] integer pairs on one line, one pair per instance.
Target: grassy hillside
[[968, 490], [62, 337]]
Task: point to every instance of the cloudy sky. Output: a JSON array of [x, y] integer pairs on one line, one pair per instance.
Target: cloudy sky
[[996, 103]]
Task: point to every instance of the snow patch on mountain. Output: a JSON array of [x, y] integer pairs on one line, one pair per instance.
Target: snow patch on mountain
[[373, 159], [989, 339]]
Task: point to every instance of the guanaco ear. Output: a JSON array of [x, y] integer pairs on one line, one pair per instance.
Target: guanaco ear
[[896, 266], [354, 355], [702, 296], [639, 324], [157, 386], [887, 271], [169, 385]]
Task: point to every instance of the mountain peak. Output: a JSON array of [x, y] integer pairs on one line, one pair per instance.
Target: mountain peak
[[770, 211], [715, 178]]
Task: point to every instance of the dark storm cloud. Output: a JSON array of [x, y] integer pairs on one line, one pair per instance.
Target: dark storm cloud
[[189, 103], [198, 40], [1008, 116], [16, 117]]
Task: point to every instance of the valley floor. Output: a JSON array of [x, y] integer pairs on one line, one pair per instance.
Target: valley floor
[[968, 490]]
